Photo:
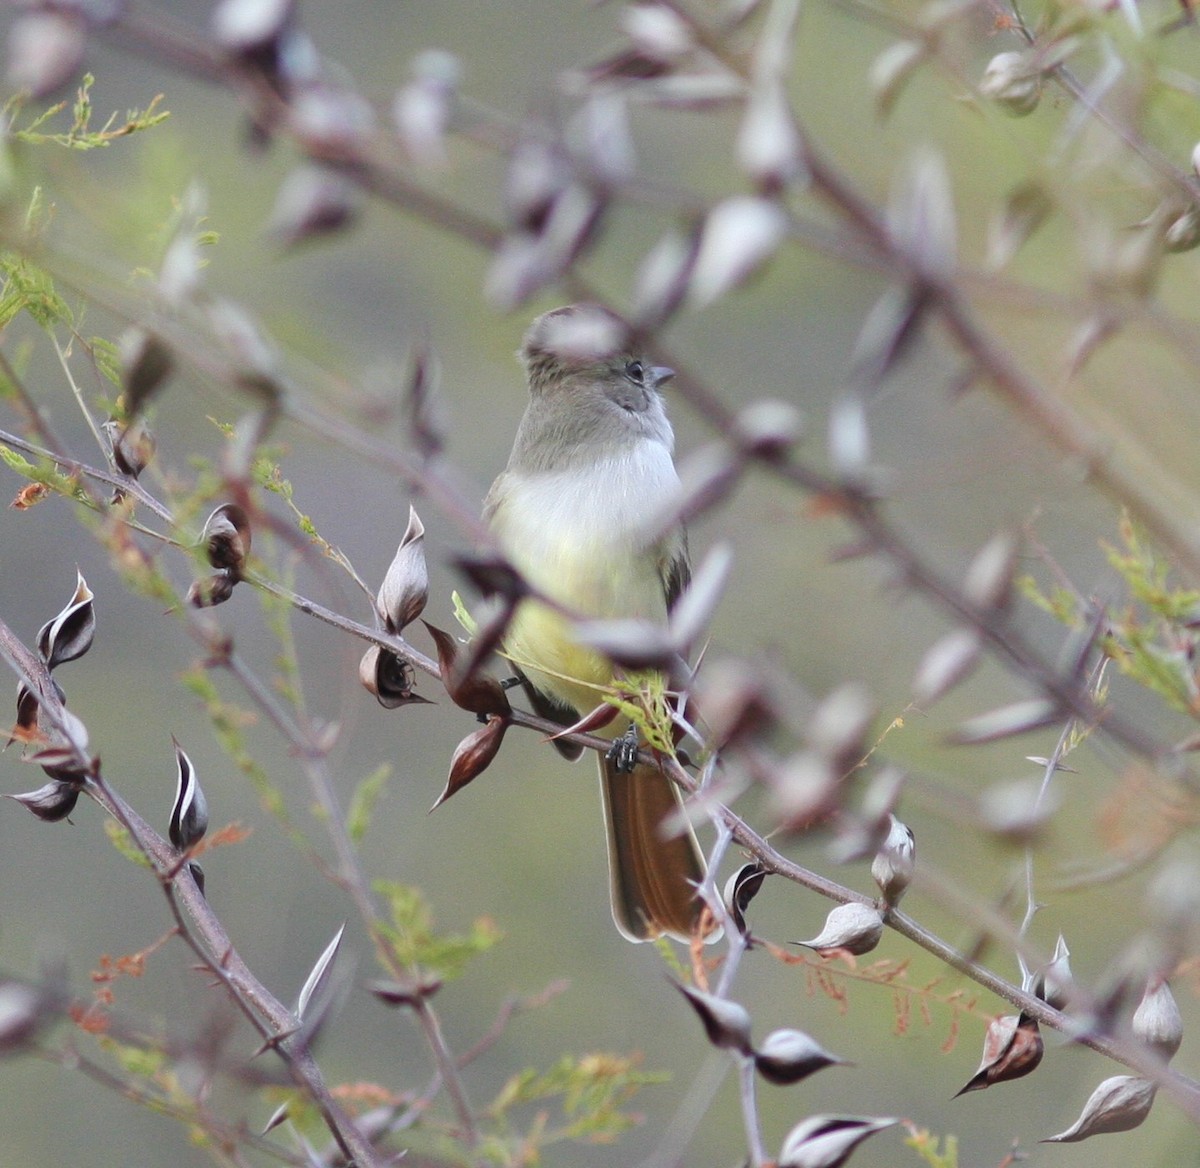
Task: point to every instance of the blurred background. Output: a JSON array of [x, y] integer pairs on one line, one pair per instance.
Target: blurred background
[[523, 846]]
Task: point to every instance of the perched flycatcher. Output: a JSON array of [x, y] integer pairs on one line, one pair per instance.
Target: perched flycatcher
[[590, 466]]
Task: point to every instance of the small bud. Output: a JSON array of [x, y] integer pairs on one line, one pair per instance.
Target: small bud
[[211, 591], [850, 928], [473, 755], [1118, 1104], [69, 635], [826, 1141], [1012, 1047], [189, 814], [1013, 83], [1157, 1021], [893, 865], [55, 801], [726, 1023], [787, 1056], [226, 539], [740, 889], [405, 588]]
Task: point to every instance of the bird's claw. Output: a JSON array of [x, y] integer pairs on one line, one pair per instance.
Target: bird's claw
[[623, 754]]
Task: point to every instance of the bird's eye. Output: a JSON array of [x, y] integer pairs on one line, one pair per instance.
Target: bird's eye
[[635, 372]]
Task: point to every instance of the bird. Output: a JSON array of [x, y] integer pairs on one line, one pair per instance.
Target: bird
[[590, 466]]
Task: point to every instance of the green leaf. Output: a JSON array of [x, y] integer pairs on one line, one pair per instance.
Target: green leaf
[[410, 934], [362, 802], [120, 839]]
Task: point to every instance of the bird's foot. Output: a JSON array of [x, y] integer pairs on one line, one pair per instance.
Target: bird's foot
[[623, 754]]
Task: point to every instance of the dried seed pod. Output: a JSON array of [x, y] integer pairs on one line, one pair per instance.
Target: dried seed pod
[[189, 814], [1157, 1021], [55, 801], [409, 993], [739, 236], [69, 635], [1017, 811], [133, 445], [312, 201], [827, 1141], [146, 363], [852, 928], [212, 590], [838, 727], [787, 1056], [1118, 1104], [740, 889], [390, 678], [893, 865], [1016, 718], [318, 978], [1056, 981], [405, 588], [24, 1011], [950, 660], [1012, 1047], [989, 579], [1014, 82], [226, 539], [45, 50], [474, 692], [473, 756], [726, 1023]]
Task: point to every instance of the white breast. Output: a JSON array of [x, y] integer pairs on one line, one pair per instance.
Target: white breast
[[582, 535]]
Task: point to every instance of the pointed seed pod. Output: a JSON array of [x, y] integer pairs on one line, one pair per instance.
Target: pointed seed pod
[[69, 635], [1012, 1048], [55, 801], [726, 1023], [405, 588], [1056, 977], [1118, 1104], [895, 861], [852, 928], [827, 1141], [475, 692], [787, 1056], [189, 815], [473, 755], [318, 977], [1157, 1021]]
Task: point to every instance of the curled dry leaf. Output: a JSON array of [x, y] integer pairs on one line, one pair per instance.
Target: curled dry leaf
[[852, 928], [473, 756], [1012, 1048], [1118, 1104], [726, 1023]]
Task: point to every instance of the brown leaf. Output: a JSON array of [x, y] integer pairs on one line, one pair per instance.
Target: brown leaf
[[29, 495]]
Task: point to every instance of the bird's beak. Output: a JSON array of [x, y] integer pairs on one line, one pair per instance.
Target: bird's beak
[[660, 374]]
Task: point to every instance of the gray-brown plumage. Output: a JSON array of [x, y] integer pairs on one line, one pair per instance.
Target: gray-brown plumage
[[590, 464]]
